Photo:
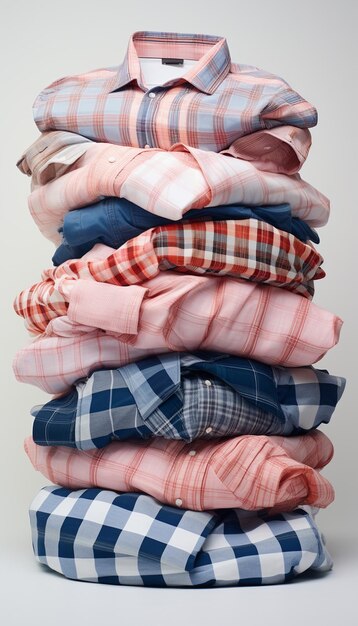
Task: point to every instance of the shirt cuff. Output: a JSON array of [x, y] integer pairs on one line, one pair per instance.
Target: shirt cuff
[[108, 307], [282, 150]]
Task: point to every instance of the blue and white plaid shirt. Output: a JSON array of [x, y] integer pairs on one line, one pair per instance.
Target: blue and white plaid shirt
[[132, 539], [187, 396]]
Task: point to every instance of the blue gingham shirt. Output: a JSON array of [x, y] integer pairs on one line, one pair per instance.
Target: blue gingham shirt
[[187, 396], [131, 539]]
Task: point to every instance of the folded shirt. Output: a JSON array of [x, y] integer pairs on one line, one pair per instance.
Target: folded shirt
[[131, 539], [247, 249], [282, 149], [114, 221], [174, 313], [188, 396], [165, 183], [251, 472], [208, 100]]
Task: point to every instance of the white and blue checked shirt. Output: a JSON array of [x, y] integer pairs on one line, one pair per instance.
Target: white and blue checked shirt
[[131, 539]]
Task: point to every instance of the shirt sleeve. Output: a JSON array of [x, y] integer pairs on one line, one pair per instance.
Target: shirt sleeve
[[282, 149], [108, 307]]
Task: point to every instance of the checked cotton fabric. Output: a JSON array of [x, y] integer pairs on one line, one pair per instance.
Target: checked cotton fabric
[[183, 396], [164, 183], [209, 106], [246, 249], [114, 221], [230, 315], [176, 329], [251, 471], [132, 539]]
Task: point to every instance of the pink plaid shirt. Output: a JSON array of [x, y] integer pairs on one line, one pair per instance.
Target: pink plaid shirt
[[213, 104], [250, 472], [244, 249], [166, 183], [173, 312]]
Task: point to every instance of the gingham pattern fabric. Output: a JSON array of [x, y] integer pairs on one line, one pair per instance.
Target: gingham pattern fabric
[[243, 249], [187, 397], [164, 183], [212, 105], [131, 539], [114, 221], [251, 471]]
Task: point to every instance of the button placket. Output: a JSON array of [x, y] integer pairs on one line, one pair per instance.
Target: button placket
[[145, 115], [208, 384]]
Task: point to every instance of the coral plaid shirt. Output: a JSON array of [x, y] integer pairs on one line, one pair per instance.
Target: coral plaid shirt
[[66, 176], [244, 249], [173, 313], [207, 102], [251, 472]]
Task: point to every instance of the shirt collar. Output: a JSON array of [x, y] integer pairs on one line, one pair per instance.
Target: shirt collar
[[211, 53], [156, 378], [152, 380]]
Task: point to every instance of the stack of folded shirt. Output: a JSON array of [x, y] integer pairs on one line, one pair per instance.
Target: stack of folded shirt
[[176, 328]]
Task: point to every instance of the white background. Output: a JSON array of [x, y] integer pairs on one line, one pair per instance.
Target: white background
[[312, 44]]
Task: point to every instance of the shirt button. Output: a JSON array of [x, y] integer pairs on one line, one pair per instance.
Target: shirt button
[[151, 94], [192, 453], [111, 159], [208, 383], [178, 501], [147, 145], [208, 430]]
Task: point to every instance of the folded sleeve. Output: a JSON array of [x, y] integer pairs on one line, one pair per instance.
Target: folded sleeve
[[108, 307], [282, 149]]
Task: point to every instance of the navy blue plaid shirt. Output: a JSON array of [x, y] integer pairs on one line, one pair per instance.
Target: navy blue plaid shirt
[[187, 396]]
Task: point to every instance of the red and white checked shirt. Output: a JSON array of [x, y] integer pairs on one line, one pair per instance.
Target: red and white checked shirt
[[109, 326], [244, 249], [211, 105], [166, 183], [249, 472]]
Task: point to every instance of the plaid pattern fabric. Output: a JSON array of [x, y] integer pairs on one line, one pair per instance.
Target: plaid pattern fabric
[[164, 183], [131, 539], [187, 397], [251, 471], [211, 106], [243, 249], [174, 313], [114, 221], [40, 159]]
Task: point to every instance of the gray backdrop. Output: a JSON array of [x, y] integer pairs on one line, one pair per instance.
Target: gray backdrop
[[312, 45]]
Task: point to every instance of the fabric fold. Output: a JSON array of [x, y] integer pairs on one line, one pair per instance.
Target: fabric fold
[[250, 472], [131, 539], [187, 396]]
